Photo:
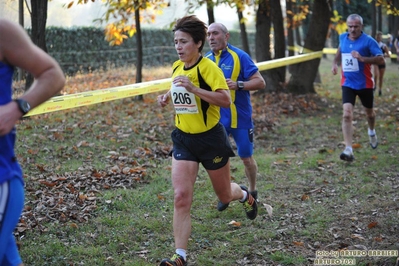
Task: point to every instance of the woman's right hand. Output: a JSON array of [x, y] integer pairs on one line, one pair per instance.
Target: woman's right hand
[[163, 99]]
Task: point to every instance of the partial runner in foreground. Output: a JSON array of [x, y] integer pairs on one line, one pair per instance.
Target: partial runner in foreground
[[17, 50]]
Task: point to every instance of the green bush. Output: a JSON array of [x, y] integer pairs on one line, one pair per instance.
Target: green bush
[[85, 49]]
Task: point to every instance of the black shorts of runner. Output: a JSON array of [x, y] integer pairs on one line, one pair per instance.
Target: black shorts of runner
[[212, 148], [381, 66], [366, 96]]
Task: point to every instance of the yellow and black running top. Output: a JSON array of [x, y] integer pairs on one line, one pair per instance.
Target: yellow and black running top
[[194, 115]]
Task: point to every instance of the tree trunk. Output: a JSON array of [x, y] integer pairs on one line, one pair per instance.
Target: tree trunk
[[139, 42], [395, 29], [38, 33], [22, 23], [262, 36], [290, 32], [276, 76], [374, 19], [298, 38], [243, 32], [379, 16], [209, 10], [304, 74]]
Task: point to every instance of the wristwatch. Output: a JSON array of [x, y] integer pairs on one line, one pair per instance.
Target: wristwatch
[[23, 106], [240, 85]]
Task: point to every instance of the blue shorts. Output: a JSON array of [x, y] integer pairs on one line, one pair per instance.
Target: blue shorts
[[366, 96], [11, 205], [211, 148], [244, 139]]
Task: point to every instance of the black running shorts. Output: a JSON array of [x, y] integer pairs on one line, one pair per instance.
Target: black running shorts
[[211, 148], [366, 96]]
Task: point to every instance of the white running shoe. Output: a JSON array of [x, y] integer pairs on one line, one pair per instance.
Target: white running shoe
[[373, 141], [347, 155]]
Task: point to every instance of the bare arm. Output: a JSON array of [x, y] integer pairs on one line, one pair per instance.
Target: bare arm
[[336, 61], [219, 97], [377, 60], [255, 82], [396, 43], [386, 51], [17, 49]]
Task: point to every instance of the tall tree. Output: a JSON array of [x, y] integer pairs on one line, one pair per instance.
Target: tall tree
[[269, 13], [210, 12], [240, 6], [374, 21], [297, 20], [290, 27], [243, 30], [39, 20], [139, 62], [38, 33], [123, 13], [304, 74], [379, 18], [262, 34], [22, 23], [277, 75]]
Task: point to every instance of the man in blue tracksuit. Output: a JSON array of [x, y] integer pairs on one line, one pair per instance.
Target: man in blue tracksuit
[[242, 76]]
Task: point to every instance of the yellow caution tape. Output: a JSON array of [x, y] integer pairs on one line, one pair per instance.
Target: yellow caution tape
[[330, 50], [294, 48], [98, 96], [288, 60], [59, 103]]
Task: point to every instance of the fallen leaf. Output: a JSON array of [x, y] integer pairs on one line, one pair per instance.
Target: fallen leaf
[[49, 184], [269, 209], [372, 225], [305, 197], [160, 197], [298, 243], [234, 223], [356, 146], [74, 225]]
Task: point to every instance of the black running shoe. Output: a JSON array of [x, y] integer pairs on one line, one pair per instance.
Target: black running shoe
[[176, 260], [254, 194], [222, 206], [250, 205]]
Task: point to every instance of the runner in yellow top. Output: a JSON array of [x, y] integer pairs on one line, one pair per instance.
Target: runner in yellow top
[[198, 91], [193, 114]]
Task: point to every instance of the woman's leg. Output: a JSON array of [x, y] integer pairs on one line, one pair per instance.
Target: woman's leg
[[184, 174], [224, 188], [381, 79]]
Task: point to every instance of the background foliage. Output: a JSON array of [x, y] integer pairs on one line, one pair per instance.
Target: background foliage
[[84, 48]]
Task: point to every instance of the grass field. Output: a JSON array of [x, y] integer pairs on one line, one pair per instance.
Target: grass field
[[98, 189]]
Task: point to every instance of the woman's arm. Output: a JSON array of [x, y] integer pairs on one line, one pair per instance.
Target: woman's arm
[[219, 97]]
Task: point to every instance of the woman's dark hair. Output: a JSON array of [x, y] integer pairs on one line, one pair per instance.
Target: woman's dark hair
[[193, 26]]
